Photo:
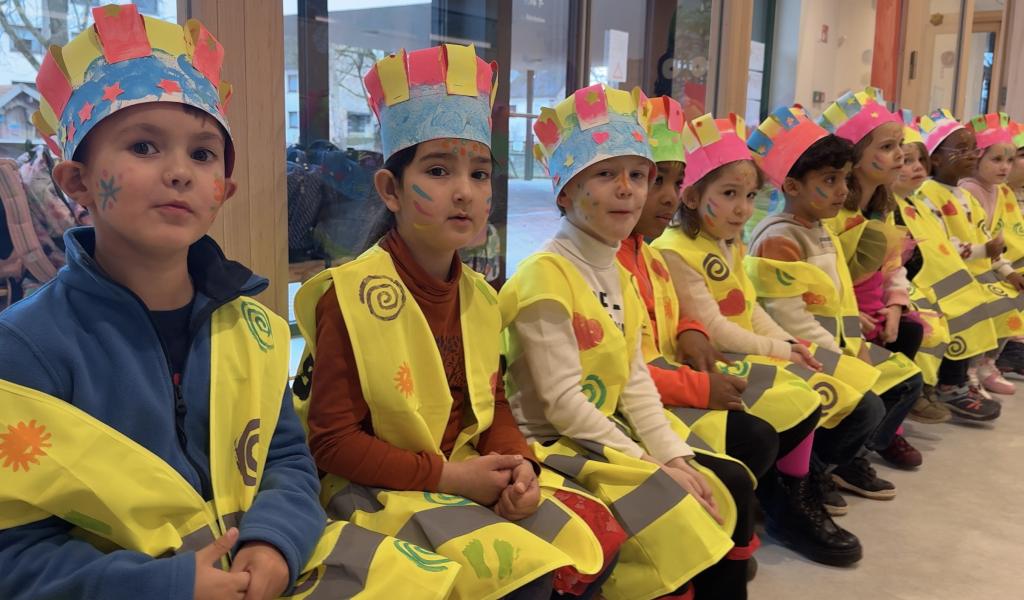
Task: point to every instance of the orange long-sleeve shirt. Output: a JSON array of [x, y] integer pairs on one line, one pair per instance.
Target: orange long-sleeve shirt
[[340, 431], [678, 387]]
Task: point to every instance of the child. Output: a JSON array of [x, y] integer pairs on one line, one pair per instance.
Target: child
[[953, 155], [1003, 219], [150, 435], [406, 413], [1016, 178], [812, 176], [575, 365], [873, 247], [704, 256]]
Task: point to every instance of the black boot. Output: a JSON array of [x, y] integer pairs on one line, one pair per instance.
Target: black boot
[[724, 580], [796, 517]]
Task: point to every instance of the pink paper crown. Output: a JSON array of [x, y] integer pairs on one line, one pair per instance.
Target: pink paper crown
[[856, 114], [936, 127], [442, 92], [126, 59], [991, 129], [780, 140], [711, 143], [1017, 134]]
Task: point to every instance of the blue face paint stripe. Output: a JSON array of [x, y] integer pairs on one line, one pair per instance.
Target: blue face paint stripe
[[421, 193], [821, 192]]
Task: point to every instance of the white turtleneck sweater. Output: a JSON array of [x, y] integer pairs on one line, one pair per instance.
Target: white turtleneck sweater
[[548, 401]]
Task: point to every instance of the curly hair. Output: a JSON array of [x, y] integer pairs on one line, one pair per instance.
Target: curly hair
[[687, 218]]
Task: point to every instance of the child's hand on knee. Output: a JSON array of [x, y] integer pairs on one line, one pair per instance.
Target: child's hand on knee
[[267, 569], [481, 479], [693, 482], [522, 496]]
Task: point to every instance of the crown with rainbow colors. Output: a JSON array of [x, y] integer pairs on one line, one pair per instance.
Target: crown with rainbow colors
[[911, 134], [664, 130], [593, 124], [442, 92], [936, 127], [993, 128], [711, 143], [780, 140], [856, 114], [122, 60]]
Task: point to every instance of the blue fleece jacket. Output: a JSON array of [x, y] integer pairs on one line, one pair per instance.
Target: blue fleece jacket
[[90, 341]]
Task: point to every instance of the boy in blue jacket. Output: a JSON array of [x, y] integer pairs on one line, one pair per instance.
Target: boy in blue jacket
[[148, 445]]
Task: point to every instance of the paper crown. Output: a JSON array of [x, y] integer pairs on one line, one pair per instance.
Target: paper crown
[[593, 124], [664, 130], [711, 143], [936, 127], [911, 134], [780, 140], [856, 114], [990, 129], [1017, 134], [125, 59], [442, 92]]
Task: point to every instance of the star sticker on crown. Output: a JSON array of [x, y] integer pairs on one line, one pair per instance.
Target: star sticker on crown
[[70, 131], [112, 10], [85, 113], [874, 115], [169, 86], [592, 97], [111, 92]]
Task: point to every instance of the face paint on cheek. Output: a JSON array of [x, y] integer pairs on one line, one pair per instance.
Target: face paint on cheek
[[709, 208], [422, 210], [419, 192], [218, 191], [876, 166], [708, 222], [108, 189]]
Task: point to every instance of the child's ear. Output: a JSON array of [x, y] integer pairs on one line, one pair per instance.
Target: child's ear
[[230, 187], [70, 176], [387, 188], [791, 186], [563, 200]]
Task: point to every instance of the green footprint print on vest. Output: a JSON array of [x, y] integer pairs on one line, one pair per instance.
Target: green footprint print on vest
[[475, 553]]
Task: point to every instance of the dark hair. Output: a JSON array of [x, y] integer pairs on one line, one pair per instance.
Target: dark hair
[[382, 219], [881, 201], [830, 152], [687, 218]]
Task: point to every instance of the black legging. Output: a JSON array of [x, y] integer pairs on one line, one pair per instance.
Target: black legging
[[908, 339], [726, 580], [953, 372]]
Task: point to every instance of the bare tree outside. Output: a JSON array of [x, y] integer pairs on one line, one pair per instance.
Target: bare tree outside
[[47, 23]]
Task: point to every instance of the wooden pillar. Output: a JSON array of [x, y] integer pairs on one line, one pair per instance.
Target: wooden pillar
[[253, 226], [734, 57], [884, 64]]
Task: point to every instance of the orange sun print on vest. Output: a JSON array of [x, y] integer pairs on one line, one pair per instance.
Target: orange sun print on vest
[[23, 444], [403, 380]]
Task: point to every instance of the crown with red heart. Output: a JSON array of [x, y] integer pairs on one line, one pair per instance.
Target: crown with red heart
[[856, 114], [911, 133], [993, 128], [593, 124], [781, 139], [122, 60], [711, 143], [442, 92]]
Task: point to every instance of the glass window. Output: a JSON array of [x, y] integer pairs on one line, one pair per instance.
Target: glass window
[[293, 82], [27, 29], [682, 69], [617, 38], [293, 119]]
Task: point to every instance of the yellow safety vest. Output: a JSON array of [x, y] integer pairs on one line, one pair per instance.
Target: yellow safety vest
[[123, 496], [1005, 304], [1008, 219], [778, 396], [836, 310], [405, 386], [671, 537], [735, 294]]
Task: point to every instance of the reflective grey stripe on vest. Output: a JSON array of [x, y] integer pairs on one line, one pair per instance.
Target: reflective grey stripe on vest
[[547, 522], [569, 466], [851, 324], [650, 500], [937, 351], [1002, 306], [196, 540], [925, 303], [829, 360], [433, 527], [689, 416], [829, 323], [759, 380], [1018, 264], [345, 569], [967, 320], [878, 354], [662, 363], [989, 276], [354, 497], [951, 283], [801, 371]]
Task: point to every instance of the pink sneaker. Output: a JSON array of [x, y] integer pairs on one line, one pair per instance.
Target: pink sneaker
[[993, 380]]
